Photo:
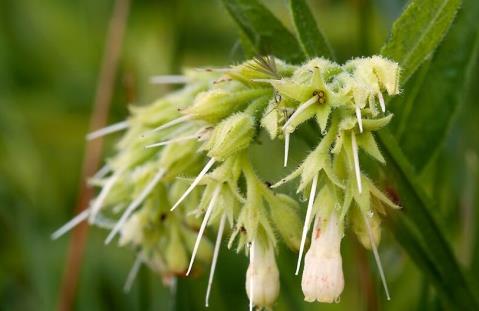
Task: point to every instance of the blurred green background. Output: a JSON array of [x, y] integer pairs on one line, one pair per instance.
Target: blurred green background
[[50, 54]]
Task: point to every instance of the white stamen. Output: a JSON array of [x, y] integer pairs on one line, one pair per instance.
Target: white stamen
[[360, 120], [174, 140], [136, 202], [300, 109], [357, 171], [108, 130], [215, 258], [169, 79], [307, 220], [376, 256], [381, 102], [286, 148], [70, 224], [195, 182], [171, 123], [102, 172], [133, 273], [264, 80], [98, 202], [203, 227]]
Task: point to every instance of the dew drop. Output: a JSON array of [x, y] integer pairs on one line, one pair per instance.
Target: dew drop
[[324, 132], [303, 198], [338, 299], [370, 214], [337, 206]]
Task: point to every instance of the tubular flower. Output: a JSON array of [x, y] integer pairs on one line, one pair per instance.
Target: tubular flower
[[262, 276], [323, 267], [186, 166]]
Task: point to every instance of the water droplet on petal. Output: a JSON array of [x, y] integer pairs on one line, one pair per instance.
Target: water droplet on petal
[[303, 198]]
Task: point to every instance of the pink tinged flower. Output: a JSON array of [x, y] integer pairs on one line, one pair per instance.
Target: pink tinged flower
[[262, 276], [323, 272]]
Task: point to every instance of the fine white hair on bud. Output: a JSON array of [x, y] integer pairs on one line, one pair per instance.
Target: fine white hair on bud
[[323, 279], [262, 276]]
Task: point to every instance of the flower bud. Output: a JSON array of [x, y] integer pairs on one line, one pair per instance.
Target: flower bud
[[323, 272], [216, 104], [175, 255], [360, 229], [286, 220], [262, 276], [132, 231], [178, 158], [230, 136]]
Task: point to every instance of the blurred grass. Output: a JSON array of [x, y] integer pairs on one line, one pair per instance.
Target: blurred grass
[[49, 59]]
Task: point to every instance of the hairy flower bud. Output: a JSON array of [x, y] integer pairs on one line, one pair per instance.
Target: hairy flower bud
[[360, 228], [175, 255], [262, 276], [286, 220], [230, 136], [323, 272], [216, 104]]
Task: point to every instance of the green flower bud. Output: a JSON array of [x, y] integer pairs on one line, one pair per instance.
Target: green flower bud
[[231, 136], [286, 220], [205, 249], [179, 158], [361, 230], [216, 104], [175, 254]]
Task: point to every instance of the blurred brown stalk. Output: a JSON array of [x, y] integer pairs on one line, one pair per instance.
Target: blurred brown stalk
[[93, 150]]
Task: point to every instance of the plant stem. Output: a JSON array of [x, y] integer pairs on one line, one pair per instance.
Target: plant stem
[[93, 151]]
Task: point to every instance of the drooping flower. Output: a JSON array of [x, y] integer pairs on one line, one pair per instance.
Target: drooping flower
[[262, 276], [323, 278]]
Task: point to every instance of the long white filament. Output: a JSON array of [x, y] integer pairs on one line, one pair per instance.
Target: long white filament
[[70, 224], [251, 283], [357, 170], [169, 79], [172, 123], [300, 109], [381, 102], [133, 273], [286, 148], [174, 140], [136, 202], [108, 130], [360, 120], [307, 220], [102, 172], [376, 255], [98, 202], [215, 258], [209, 210], [195, 182]]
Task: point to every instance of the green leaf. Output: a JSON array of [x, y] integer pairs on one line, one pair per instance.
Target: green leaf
[[430, 113], [311, 39], [422, 232], [264, 30], [418, 31]]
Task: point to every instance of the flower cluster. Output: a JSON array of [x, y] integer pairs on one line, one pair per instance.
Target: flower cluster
[[206, 129]]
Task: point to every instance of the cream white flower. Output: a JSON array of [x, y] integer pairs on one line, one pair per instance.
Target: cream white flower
[[262, 276], [323, 272]]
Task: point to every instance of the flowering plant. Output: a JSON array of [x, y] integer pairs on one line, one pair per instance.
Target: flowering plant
[[184, 165]]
